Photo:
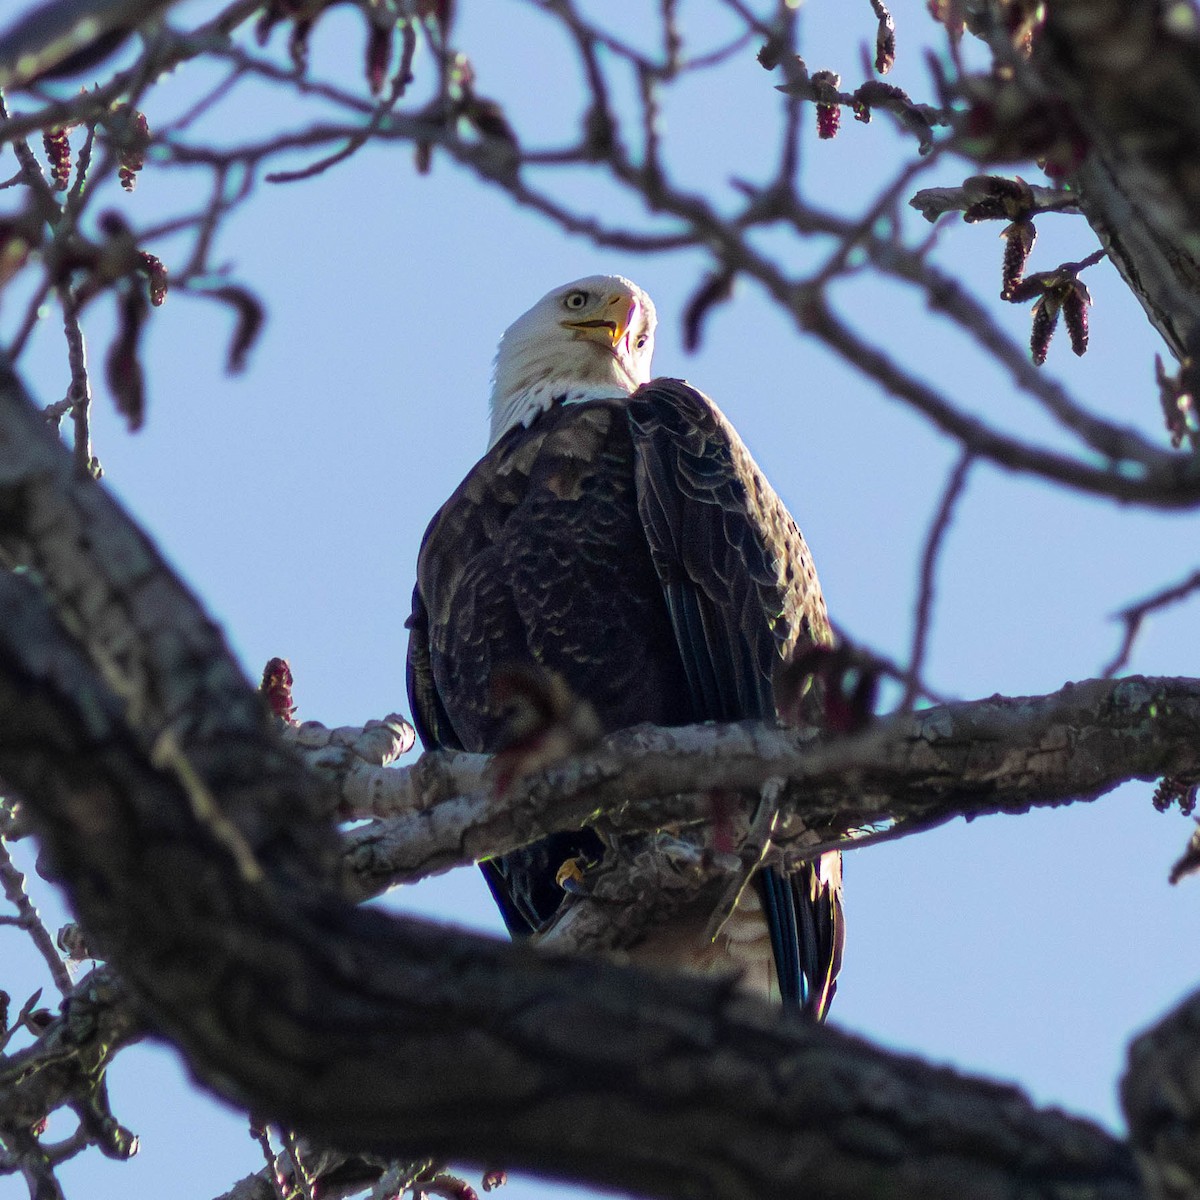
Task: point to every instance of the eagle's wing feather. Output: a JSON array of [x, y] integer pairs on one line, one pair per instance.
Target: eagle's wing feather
[[742, 595], [429, 715]]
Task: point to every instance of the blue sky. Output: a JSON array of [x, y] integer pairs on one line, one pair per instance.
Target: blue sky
[[293, 498]]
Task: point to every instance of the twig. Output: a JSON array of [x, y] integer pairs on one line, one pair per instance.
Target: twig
[[861, 839], [80, 391], [935, 202], [1162, 480], [1135, 614], [886, 202], [169, 51], [352, 146], [883, 665], [925, 591], [83, 163], [206, 102], [13, 881], [33, 314]]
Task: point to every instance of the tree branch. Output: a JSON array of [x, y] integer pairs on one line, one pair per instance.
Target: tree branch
[[967, 759], [1160, 1100], [66, 1064]]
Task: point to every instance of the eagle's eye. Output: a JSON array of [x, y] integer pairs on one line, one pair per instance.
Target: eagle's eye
[[641, 342], [576, 300]]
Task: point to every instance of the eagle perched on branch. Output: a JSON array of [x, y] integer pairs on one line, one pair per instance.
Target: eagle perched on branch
[[618, 535]]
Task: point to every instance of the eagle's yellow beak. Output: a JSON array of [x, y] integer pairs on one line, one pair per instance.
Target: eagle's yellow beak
[[612, 323]]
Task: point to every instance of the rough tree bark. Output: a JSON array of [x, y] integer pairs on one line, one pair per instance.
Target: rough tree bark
[[1003, 754]]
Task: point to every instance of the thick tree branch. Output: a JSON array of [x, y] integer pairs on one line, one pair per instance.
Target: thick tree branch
[[1003, 754], [1161, 1100]]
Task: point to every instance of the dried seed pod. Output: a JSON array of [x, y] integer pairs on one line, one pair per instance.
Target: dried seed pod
[[716, 288], [988, 209], [276, 687], [829, 120], [1178, 406], [999, 186], [1176, 789], [829, 116], [1045, 319], [122, 367], [1019, 238], [1075, 315], [156, 275], [379, 56], [250, 318], [58, 151], [771, 54], [135, 140], [885, 38]]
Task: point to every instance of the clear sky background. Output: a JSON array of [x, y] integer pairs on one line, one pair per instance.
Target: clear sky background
[[293, 498]]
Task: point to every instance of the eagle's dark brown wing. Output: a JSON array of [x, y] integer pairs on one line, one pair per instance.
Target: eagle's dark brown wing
[[742, 595]]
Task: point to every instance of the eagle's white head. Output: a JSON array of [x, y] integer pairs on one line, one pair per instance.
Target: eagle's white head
[[588, 340]]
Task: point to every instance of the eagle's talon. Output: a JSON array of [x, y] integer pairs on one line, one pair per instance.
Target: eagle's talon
[[569, 876]]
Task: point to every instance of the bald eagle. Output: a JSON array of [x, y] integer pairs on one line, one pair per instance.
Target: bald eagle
[[618, 534]]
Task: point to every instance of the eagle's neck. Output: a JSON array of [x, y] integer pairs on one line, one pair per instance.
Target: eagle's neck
[[532, 376], [525, 406]]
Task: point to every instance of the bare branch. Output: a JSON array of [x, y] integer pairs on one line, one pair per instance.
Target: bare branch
[[933, 545], [13, 882], [963, 759], [79, 394], [65, 1065], [935, 202], [1133, 616]]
